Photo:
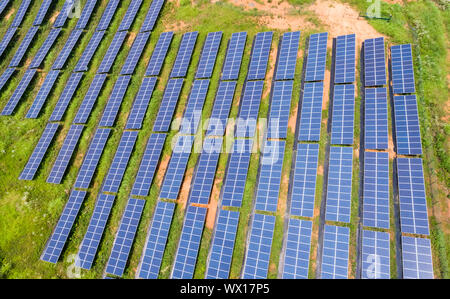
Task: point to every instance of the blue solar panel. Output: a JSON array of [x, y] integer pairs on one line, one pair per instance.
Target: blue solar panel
[[249, 109], [21, 13], [168, 104], [18, 93], [374, 62], [402, 69], [412, 196], [221, 109], [311, 112], [4, 78], [270, 176], [317, 57], [287, 57], [86, 14], [3, 5], [137, 113], [68, 47], [345, 59], [89, 99], [194, 107], [156, 240], [159, 54], [20, 52], [304, 181], [222, 245], [97, 224], [298, 246], [189, 244], [7, 39], [152, 15], [42, 12], [108, 14], [42, 94], [112, 52], [39, 152], [59, 236], [203, 180], [45, 48], [280, 106], [343, 114], [376, 190], [184, 55], [66, 96], [256, 262], [120, 162], [209, 54], [64, 14], [149, 162], [375, 255], [376, 119], [407, 126], [135, 53], [125, 237], [335, 252], [115, 101], [339, 189], [92, 158], [417, 259], [233, 59], [260, 56], [130, 15], [65, 154], [89, 51], [177, 166]]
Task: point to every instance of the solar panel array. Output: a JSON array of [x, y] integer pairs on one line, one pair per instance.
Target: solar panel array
[[298, 246], [249, 108], [115, 101], [343, 116], [375, 118], [375, 255], [287, 57], [159, 54], [233, 58], [194, 107], [416, 258], [89, 99], [407, 126], [402, 69], [280, 106], [135, 53], [64, 14], [140, 105], [345, 59], [42, 94], [45, 48], [335, 252], [5, 76], [85, 14], [67, 49], [20, 52], [260, 56], [42, 12], [317, 57], [88, 53], [221, 109], [7, 39], [107, 15], [66, 96], [209, 54], [3, 5], [18, 92], [23, 8], [311, 112], [112, 52], [184, 55], [130, 15], [152, 15], [168, 105], [374, 62]]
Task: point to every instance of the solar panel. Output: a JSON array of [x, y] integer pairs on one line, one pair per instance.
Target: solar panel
[[184, 55], [233, 59], [42, 94], [412, 196], [64, 14], [209, 54], [376, 190], [374, 62], [375, 118], [236, 174], [152, 15], [45, 48], [177, 166], [345, 59], [156, 240], [280, 106], [92, 158], [114, 102], [189, 244], [298, 246], [89, 51], [222, 245], [66, 96], [311, 112], [58, 239], [18, 92], [68, 47], [135, 53], [256, 263], [375, 255], [339, 189], [304, 181], [416, 258], [86, 14], [125, 237], [140, 105], [402, 69], [287, 57], [120, 162], [20, 52], [23, 8], [42, 12], [194, 107], [39, 152], [130, 15], [407, 126], [97, 224], [89, 99], [221, 109], [249, 109], [65, 154], [107, 16], [112, 52], [203, 180], [260, 56], [317, 57], [149, 162], [343, 114], [3, 5], [168, 104], [159, 54], [335, 252], [270, 176], [4, 78], [7, 39]]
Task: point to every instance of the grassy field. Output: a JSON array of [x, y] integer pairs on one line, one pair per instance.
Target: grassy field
[[29, 210]]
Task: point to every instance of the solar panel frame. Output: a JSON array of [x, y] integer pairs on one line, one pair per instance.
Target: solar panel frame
[[345, 59], [297, 249], [280, 107], [402, 69], [407, 126], [343, 115], [287, 57], [4, 78], [115, 101], [130, 15], [194, 107], [417, 258], [42, 12], [311, 112], [45, 48], [375, 255], [85, 14], [374, 62], [335, 252], [221, 109], [107, 15], [260, 56], [249, 109], [111, 54], [159, 54], [135, 53], [376, 129], [18, 92], [209, 54], [10, 32], [42, 94], [184, 56], [18, 18], [89, 51], [152, 15], [317, 57], [66, 97], [24, 45], [67, 49], [140, 104], [168, 105], [89, 99], [233, 58]]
